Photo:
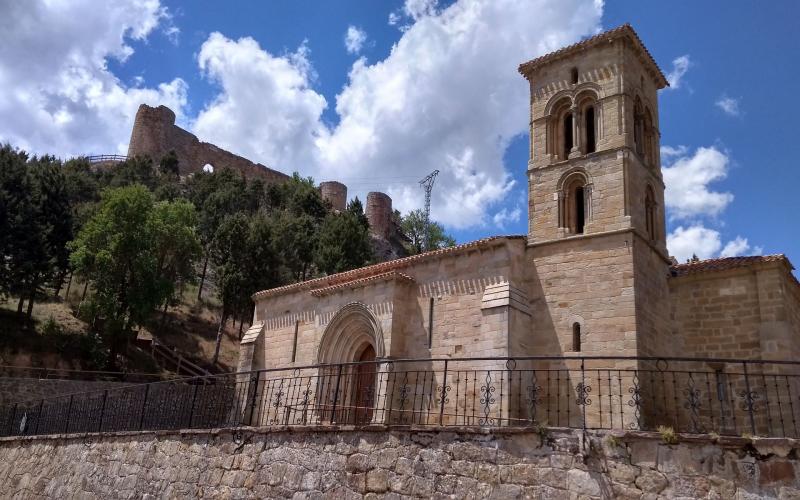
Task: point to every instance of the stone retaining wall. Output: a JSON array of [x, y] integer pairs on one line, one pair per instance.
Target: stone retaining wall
[[374, 462]]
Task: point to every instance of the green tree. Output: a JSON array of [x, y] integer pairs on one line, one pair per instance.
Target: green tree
[[174, 227], [413, 226], [14, 201], [344, 241], [169, 165], [132, 251], [229, 254]]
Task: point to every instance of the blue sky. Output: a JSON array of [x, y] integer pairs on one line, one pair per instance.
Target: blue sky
[[421, 85]]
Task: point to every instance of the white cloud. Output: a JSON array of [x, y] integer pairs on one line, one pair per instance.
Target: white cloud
[[740, 246], [688, 198], [680, 65], [267, 110], [354, 39], [687, 178], [58, 94], [706, 243], [728, 105], [697, 240], [447, 97], [506, 216]]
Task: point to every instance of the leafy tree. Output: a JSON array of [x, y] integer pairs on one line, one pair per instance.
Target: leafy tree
[[174, 227], [36, 221], [132, 251], [169, 165], [136, 170], [14, 189], [229, 253], [54, 219], [413, 226], [344, 241], [217, 195]]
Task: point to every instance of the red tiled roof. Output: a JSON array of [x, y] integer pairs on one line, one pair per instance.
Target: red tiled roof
[[391, 275], [382, 268], [606, 36], [725, 263]]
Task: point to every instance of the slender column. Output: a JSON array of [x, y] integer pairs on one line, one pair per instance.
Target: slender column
[[576, 135]]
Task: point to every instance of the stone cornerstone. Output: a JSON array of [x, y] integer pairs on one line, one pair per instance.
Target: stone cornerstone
[[375, 462]]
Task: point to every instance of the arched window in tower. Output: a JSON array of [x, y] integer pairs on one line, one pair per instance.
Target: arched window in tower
[[650, 213], [574, 203], [573, 75], [566, 129], [649, 138], [589, 125], [576, 337], [638, 127]]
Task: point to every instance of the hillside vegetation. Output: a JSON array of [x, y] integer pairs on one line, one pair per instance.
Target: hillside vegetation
[[94, 257]]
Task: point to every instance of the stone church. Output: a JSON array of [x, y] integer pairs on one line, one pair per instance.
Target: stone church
[[591, 278]]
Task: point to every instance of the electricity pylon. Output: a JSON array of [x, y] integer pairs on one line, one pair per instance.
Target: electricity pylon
[[427, 185]]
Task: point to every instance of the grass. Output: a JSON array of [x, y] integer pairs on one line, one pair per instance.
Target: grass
[[668, 435], [56, 338]]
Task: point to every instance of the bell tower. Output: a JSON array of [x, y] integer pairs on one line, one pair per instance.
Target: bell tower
[[596, 228]]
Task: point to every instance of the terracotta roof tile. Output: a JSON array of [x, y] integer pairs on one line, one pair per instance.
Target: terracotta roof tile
[[724, 263], [378, 269], [607, 36], [391, 275]]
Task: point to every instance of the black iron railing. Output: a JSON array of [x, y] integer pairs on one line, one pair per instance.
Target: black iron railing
[[724, 396]]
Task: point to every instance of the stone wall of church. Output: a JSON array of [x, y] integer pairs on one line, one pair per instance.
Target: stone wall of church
[[747, 313], [460, 326], [377, 463]]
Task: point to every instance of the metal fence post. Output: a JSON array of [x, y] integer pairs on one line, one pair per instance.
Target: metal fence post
[[39, 416], [749, 399], [144, 405], [69, 412], [102, 411], [191, 408], [443, 394], [582, 395], [253, 400], [336, 395]]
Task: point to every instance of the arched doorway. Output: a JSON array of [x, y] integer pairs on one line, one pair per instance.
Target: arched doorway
[[363, 394], [347, 393]]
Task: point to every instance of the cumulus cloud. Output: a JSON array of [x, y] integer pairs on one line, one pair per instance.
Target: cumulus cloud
[[58, 94], [740, 246], [680, 65], [506, 216], [687, 180], [697, 240], [689, 199], [728, 105], [447, 97], [267, 109], [354, 39]]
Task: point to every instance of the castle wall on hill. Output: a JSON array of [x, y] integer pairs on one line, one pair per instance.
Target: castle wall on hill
[[155, 134]]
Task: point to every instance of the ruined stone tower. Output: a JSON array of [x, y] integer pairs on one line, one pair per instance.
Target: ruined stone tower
[[596, 198], [154, 134]]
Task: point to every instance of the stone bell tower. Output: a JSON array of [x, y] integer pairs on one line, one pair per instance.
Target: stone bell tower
[[596, 237]]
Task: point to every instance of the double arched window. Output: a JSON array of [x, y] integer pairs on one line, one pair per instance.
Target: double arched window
[[573, 125], [574, 203]]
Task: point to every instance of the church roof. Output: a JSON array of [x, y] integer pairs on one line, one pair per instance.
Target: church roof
[[725, 263], [382, 270], [626, 30]]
